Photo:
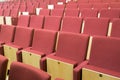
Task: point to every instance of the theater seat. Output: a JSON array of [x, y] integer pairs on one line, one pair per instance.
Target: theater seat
[[70, 53], [43, 44], [22, 39], [104, 59], [21, 71]]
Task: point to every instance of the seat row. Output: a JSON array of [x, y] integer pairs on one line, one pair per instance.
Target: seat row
[[91, 26], [63, 55]]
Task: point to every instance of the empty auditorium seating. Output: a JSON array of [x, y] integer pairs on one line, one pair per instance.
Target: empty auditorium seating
[[3, 67], [22, 39], [52, 23], [59, 6], [103, 60], [20, 71], [23, 20], [70, 52], [1, 12], [110, 13], [71, 24], [43, 44], [30, 9], [87, 12], [115, 28], [57, 12], [6, 12], [96, 26], [71, 12], [36, 21]]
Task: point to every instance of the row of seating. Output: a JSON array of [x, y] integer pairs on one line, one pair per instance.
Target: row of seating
[[71, 54], [91, 26]]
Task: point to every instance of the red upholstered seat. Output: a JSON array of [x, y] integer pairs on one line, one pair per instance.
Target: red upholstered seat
[[36, 21], [104, 58], [52, 23], [57, 12], [96, 26], [115, 28], [27, 72], [23, 20], [72, 12], [70, 52], [72, 24]]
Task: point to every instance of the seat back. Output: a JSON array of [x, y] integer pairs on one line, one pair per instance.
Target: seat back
[[7, 33], [72, 12], [36, 21], [3, 67], [23, 20], [110, 13], [7, 12], [72, 46], [115, 28], [96, 26], [23, 36], [44, 41], [72, 24], [27, 72], [87, 12], [105, 53], [14, 13], [57, 12], [52, 23], [44, 12]]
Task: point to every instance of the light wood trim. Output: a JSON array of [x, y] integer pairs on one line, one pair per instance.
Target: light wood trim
[[88, 74], [99, 15], [109, 29], [89, 48], [31, 59], [56, 45], [83, 24], [59, 69], [10, 53]]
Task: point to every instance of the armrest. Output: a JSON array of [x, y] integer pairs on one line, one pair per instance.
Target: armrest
[[103, 70], [77, 70]]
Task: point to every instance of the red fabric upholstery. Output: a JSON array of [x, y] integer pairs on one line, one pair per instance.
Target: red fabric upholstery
[[72, 24], [7, 12], [44, 12], [6, 33], [41, 43], [71, 6], [57, 12], [3, 67], [84, 5], [22, 8], [75, 46], [96, 26], [114, 5], [71, 49], [36, 21], [110, 13], [52, 23], [105, 53], [1, 12], [14, 13], [115, 28], [27, 72], [87, 12], [72, 12], [23, 37], [59, 6], [23, 21], [100, 5]]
